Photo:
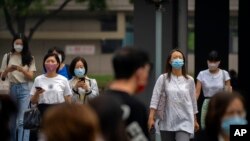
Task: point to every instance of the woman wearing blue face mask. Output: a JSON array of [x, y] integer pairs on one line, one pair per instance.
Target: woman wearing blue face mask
[[83, 87], [177, 115], [224, 109]]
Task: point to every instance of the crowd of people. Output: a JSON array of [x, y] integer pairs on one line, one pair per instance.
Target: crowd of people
[[72, 109]]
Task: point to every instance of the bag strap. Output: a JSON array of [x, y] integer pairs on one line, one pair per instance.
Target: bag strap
[[224, 77], [8, 59], [163, 83]]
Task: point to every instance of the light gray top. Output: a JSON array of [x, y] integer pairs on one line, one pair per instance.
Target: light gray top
[[79, 98], [181, 104], [212, 83]]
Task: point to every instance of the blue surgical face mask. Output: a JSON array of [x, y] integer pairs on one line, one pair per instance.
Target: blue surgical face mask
[[234, 120], [79, 72], [177, 63]]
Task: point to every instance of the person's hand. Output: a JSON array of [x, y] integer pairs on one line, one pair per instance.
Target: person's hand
[[82, 84], [39, 91], [196, 126], [151, 123], [11, 68], [18, 68]]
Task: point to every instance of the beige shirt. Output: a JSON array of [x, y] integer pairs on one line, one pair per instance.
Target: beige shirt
[[16, 76]]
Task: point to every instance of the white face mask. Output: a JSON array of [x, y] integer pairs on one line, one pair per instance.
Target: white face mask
[[60, 57], [213, 66], [18, 48]]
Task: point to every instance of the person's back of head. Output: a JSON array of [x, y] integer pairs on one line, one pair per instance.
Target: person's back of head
[[127, 60], [232, 73], [8, 109], [59, 52], [109, 111], [70, 122]]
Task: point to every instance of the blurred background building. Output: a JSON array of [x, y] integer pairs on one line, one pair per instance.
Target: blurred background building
[[96, 35]]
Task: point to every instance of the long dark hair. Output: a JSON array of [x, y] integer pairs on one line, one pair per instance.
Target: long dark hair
[[169, 67], [26, 55], [217, 107]]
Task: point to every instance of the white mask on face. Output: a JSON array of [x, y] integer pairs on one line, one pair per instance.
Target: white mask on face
[[18, 48], [60, 57], [213, 66]]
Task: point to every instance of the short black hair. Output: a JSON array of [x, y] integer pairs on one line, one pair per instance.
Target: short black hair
[[51, 55], [60, 51], [73, 64], [127, 60], [213, 56]]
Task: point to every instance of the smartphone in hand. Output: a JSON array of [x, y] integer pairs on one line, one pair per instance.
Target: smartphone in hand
[[14, 66], [39, 88], [82, 79]]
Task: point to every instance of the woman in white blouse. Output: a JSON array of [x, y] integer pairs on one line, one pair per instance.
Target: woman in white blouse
[[180, 107], [50, 88]]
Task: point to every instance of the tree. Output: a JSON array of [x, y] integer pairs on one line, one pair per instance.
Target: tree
[[16, 12]]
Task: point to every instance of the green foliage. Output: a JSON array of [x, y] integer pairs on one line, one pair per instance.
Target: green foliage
[[25, 7], [39, 5], [97, 5], [18, 11], [191, 40], [102, 80]]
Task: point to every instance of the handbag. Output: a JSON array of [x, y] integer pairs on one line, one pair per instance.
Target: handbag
[[4, 83], [4, 86], [162, 101], [32, 118]]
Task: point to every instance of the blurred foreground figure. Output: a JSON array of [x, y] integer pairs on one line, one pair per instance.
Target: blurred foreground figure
[[131, 70], [70, 122], [8, 110], [224, 109], [110, 113]]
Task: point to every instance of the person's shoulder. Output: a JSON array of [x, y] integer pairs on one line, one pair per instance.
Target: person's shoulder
[[120, 94], [59, 76], [7, 54], [40, 77], [90, 79], [190, 77], [115, 93], [134, 102], [162, 76], [204, 71], [224, 71], [72, 79]]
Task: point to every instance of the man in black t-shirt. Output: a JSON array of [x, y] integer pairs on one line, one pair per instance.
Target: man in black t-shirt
[[131, 70]]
